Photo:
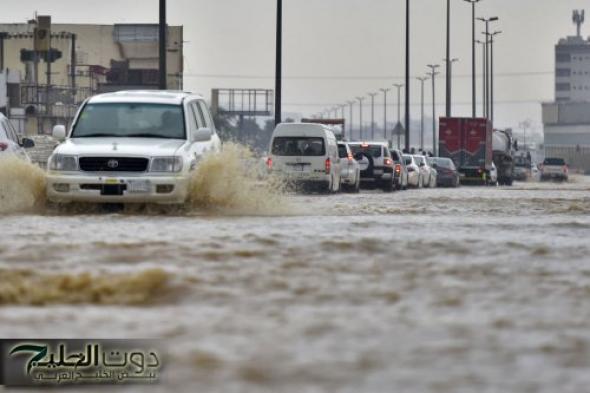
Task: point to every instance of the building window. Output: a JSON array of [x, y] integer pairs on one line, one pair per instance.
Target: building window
[[563, 87], [563, 57]]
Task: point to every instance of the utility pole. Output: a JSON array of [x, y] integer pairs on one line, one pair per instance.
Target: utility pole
[[433, 74], [279, 64], [163, 85], [372, 95], [473, 62], [487, 21], [398, 86], [360, 100], [407, 76], [422, 80], [448, 61], [385, 91]]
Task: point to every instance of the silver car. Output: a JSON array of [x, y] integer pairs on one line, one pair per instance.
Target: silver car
[[10, 143], [350, 169]]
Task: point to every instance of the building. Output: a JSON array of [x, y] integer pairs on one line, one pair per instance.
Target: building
[[83, 60], [566, 121]]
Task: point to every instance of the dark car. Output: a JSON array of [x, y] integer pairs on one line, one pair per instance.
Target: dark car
[[400, 171], [448, 176]]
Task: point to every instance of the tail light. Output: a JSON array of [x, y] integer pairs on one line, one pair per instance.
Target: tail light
[[398, 168], [350, 158], [388, 162], [565, 169], [3, 146], [269, 163], [328, 166]]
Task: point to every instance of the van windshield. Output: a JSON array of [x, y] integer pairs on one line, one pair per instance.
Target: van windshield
[[127, 120], [298, 146]]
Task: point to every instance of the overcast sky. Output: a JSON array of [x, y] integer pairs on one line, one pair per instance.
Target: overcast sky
[[338, 49]]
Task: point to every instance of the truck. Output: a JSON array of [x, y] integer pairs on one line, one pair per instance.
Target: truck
[[474, 145], [503, 151], [468, 142]]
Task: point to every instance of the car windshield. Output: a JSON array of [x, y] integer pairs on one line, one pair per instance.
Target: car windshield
[[408, 160], [395, 156], [342, 152], [554, 161], [130, 120], [298, 146], [444, 163], [372, 150], [419, 160]]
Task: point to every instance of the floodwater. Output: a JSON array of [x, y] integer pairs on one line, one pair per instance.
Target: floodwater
[[447, 290]]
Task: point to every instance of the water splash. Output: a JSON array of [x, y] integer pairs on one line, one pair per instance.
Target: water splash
[[22, 186], [230, 182]]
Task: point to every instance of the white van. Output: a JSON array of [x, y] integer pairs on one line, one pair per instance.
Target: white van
[[305, 154]]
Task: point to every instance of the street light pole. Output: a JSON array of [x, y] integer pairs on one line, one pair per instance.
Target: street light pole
[[398, 86], [495, 33], [372, 95], [360, 100], [422, 80], [351, 104], [450, 81], [448, 61], [342, 108], [483, 76], [279, 63], [385, 91], [474, 87], [487, 76], [433, 74], [163, 82], [407, 136]]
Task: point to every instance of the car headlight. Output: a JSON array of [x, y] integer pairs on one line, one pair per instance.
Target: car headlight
[[166, 164], [60, 162]]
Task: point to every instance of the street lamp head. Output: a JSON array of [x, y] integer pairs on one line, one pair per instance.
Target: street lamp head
[[493, 19], [497, 32]]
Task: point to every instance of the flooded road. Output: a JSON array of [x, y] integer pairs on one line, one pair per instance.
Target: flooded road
[[444, 290]]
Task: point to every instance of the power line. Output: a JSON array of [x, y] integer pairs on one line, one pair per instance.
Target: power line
[[504, 102], [360, 77]]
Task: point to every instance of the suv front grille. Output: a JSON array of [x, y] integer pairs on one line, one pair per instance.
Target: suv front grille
[[113, 164]]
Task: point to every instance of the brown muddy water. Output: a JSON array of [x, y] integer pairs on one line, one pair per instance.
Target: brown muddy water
[[445, 290]]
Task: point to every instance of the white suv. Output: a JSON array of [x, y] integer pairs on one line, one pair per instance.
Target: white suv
[[131, 147]]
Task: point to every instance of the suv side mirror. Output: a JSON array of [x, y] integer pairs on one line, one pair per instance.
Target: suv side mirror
[[27, 143], [201, 135], [59, 132]]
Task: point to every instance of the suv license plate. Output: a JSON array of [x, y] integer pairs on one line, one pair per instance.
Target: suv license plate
[[139, 186]]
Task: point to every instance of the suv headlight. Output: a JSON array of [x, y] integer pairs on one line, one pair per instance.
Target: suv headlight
[[166, 164], [60, 162]]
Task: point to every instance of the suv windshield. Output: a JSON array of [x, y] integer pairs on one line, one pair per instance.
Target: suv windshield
[[373, 150], [298, 146], [395, 156], [554, 161], [130, 120], [408, 160]]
